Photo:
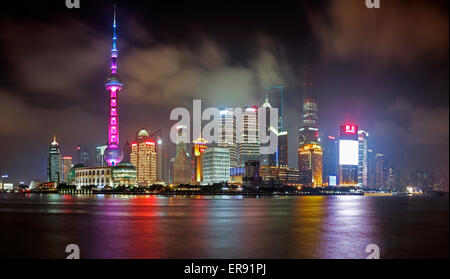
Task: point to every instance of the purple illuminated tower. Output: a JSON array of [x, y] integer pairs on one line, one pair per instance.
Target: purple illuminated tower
[[113, 84]]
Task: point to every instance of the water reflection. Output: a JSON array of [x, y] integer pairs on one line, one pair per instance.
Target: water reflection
[[105, 226]]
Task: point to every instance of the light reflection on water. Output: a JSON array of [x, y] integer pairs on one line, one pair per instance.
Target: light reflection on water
[[114, 226]]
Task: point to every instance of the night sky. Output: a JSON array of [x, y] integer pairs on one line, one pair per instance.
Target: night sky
[[385, 70]]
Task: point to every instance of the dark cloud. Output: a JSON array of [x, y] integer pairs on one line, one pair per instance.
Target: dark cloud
[[399, 33], [416, 131]]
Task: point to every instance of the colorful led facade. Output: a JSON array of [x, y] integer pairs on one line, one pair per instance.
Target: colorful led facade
[[348, 155], [113, 85]]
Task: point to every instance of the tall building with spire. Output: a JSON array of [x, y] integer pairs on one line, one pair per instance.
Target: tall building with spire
[[54, 162], [308, 134], [113, 85], [309, 129]]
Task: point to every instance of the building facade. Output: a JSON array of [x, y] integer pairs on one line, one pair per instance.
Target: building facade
[[283, 149], [123, 174], [197, 160], [330, 164], [274, 176], [363, 170], [249, 139], [310, 164], [181, 167], [348, 155], [379, 171], [162, 166], [66, 165], [143, 157], [227, 134], [99, 155], [54, 162], [216, 165]]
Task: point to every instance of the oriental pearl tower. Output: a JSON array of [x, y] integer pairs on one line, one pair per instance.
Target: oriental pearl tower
[[113, 85]]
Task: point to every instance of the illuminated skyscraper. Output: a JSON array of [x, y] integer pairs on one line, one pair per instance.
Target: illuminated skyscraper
[[181, 168], [348, 155], [390, 183], [99, 155], [66, 164], [54, 162], [283, 149], [275, 96], [309, 129], [269, 159], [249, 139], [371, 168], [216, 165], [113, 84], [310, 164], [330, 160], [379, 171], [84, 157], [143, 157], [363, 136], [274, 100], [197, 160], [126, 152], [227, 138], [162, 166]]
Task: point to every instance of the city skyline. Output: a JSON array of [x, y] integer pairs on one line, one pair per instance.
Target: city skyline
[[394, 141]]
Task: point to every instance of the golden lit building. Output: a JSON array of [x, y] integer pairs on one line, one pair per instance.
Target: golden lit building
[[278, 176], [143, 157], [310, 164], [197, 160]]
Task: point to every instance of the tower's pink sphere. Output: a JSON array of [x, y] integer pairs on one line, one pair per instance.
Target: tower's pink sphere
[[113, 154]]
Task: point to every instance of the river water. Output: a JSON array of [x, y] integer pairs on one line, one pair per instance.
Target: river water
[[41, 226]]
